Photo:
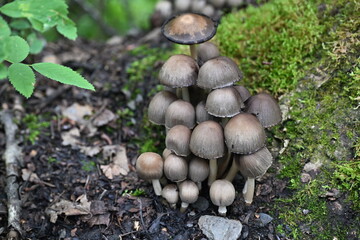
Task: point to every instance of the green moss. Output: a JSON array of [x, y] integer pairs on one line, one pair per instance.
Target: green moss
[[34, 127]]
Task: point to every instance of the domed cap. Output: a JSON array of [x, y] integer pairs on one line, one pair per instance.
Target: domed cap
[[206, 51], [201, 114], [178, 139], [244, 93], [189, 28], [255, 164], [244, 134], [224, 102], [175, 168], [265, 107], [158, 105], [199, 169], [179, 71], [222, 192], [218, 72], [207, 140], [149, 166], [170, 193], [188, 191], [180, 112]]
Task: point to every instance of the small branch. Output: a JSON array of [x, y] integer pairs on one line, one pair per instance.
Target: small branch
[[13, 159]]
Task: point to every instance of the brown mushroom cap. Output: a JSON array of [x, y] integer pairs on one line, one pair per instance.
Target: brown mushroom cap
[[222, 193], [244, 93], [189, 28], [178, 139], [179, 71], [218, 72], [175, 168], [188, 191], [255, 164], [170, 193], [244, 134], [149, 166], [207, 140], [265, 107], [198, 169], [158, 105], [206, 51], [224, 102], [180, 112]]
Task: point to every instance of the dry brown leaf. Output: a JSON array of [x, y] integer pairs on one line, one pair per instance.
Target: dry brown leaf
[[104, 118], [119, 163], [71, 137], [103, 219], [77, 112], [90, 150]]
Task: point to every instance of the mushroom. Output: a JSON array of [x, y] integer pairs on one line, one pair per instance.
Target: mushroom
[[222, 194], [189, 29], [252, 166], [175, 168], [180, 113], [244, 93], [207, 141], [189, 193], [206, 51], [182, 5], [158, 105], [178, 139], [201, 114], [149, 166], [166, 152], [179, 71], [171, 194], [198, 170], [218, 3], [265, 108]]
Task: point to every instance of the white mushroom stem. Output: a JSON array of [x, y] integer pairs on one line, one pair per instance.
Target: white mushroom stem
[[157, 186], [213, 171], [222, 211], [193, 52], [232, 173], [185, 94], [224, 164], [184, 206], [248, 190]]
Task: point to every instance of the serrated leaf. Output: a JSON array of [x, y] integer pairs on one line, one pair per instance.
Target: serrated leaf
[[4, 28], [16, 49], [20, 24], [62, 74], [36, 44], [3, 71], [67, 28], [36, 24], [22, 78]]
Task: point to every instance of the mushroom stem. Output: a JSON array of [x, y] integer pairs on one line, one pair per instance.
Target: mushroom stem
[[213, 171], [156, 186], [185, 94], [248, 190], [224, 121], [178, 92], [193, 52], [222, 211], [183, 207], [224, 164], [232, 172]]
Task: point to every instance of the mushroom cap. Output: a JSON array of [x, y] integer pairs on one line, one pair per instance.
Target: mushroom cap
[[199, 169], [170, 193], [244, 93], [244, 134], [188, 191], [222, 193], [224, 102], [206, 51], [166, 152], [175, 168], [179, 71], [189, 28], [207, 140], [178, 140], [201, 114], [218, 72], [180, 112], [158, 105], [255, 164], [265, 107], [149, 166]]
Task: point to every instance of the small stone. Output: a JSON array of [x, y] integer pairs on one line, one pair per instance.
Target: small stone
[[219, 228], [265, 218], [201, 204], [312, 166], [305, 177], [305, 211]]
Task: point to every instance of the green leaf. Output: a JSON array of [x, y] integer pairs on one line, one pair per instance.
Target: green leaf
[[4, 28], [3, 71], [62, 74], [16, 49], [37, 25], [67, 28], [22, 78], [20, 24], [36, 44]]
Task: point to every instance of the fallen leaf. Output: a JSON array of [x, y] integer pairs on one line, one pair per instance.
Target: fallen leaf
[[71, 137], [77, 112], [103, 118], [90, 150], [103, 219], [119, 165]]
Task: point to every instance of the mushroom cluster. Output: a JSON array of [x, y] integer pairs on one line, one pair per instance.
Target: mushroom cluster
[[214, 127]]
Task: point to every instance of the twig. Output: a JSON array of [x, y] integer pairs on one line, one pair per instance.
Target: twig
[[13, 159]]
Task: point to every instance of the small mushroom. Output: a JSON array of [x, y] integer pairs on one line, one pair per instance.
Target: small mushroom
[[177, 140], [189, 193], [244, 93], [171, 194], [149, 166], [175, 168], [158, 105], [201, 114], [206, 51], [198, 170], [222, 194], [180, 112], [166, 152]]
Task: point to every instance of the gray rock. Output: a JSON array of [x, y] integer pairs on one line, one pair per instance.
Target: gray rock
[[265, 218], [201, 204], [219, 228]]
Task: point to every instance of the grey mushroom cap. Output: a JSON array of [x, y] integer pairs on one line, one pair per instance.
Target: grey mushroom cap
[[265, 107], [244, 93], [149, 166], [180, 112], [199, 169], [201, 114], [158, 105], [206, 51], [178, 140], [224, 102], [170, 193], [244, 134], [189, 28], [255, 164], [179, 71], [175, 168], [188, 191], [207, 140], [222, 193], [218, 72]]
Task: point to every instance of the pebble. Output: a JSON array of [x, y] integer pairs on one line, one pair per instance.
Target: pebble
[[219, 228], [201, 204], [265, 218]]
